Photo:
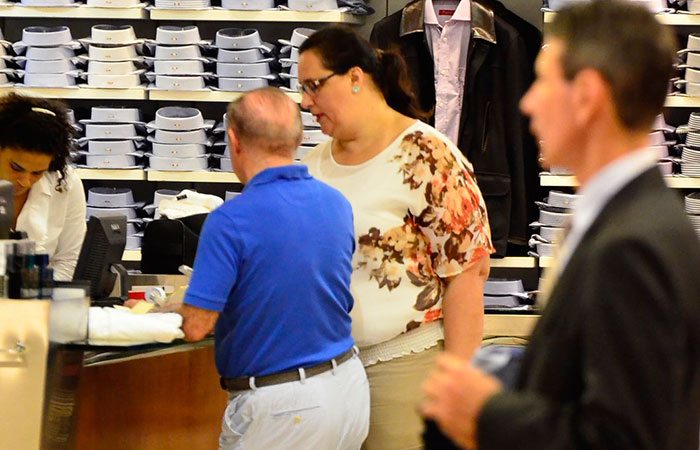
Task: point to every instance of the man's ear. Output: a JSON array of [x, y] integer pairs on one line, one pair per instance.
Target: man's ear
[[234, 144], [592, 96]]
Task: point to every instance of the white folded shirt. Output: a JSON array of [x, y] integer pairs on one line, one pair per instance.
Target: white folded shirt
[[108, 326]]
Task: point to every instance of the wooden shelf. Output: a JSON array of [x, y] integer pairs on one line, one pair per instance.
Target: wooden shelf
[[224, 15], [193, 177], [514, 262], [558, 180], [665, 18], [673, 181], [511, 325], [131, 255], [111, 174], [545, 261], [682, 101], [75, 12], [204, 96], [80, 93]]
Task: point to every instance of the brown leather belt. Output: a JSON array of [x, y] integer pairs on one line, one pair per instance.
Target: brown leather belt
[[244, 383]]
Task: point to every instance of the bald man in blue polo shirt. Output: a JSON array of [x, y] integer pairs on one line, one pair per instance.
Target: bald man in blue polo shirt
[[272, 275]]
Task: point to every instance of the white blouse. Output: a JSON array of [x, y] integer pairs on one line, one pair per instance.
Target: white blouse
[[56, 221]]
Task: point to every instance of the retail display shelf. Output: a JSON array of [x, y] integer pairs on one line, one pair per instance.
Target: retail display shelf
[[682, 101], [665, 18], [111, 174], [131, 255], [80, 93], [558, 180], [224, 15], [514, 262], [674, 181], [545, 261], [193, 177], [77, 12], [204, 96], [512, 325]]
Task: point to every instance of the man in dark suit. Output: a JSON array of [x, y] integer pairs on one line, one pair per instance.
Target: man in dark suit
[[614, 362]]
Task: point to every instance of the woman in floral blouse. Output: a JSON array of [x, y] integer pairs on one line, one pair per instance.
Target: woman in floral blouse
[[423, 240]]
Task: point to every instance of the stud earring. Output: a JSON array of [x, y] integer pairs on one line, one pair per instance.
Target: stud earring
[[356, 89]]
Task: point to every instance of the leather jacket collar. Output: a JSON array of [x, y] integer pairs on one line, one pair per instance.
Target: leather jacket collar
[[483, 26]]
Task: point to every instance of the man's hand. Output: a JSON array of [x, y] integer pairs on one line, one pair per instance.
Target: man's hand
[[455, 394]]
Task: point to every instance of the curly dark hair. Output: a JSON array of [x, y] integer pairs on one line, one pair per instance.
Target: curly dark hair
[[37, 125]]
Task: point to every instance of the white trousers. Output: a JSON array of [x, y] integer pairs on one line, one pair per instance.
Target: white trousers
[[329, 411]]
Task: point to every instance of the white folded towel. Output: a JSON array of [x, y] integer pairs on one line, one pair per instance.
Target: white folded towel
[[108, 326]]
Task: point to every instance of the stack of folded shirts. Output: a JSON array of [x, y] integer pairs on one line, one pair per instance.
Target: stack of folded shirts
[[664, 147], [690, 83], [4, 57], [230, 195], [177, 61], [47, 57], [312, 135], [180, 139], [113, 138], [248, 5], [182, 4], [692, 209], [47, 3], [502, 293], [243, 60], [311, 5], [116, 3], [555, 211], [655, 6], [224, 159], [690, 149], [158, 196], [291, 59], [113, 59], [107, 201]]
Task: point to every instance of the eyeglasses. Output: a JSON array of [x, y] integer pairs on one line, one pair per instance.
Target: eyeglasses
[[311, 87]]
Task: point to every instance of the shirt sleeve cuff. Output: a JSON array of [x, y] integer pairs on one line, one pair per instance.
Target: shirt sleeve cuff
[[204, 303]]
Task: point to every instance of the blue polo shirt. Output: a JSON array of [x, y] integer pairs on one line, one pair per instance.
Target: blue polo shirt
[[276, 263]]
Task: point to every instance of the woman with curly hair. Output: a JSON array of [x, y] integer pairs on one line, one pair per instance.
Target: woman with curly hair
[[49, 201], [423, 239]]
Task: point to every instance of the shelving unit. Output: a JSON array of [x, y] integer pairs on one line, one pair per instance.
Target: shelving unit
[[193, 177], [111, 174], [545, 261], [682, 101], [673, 181], [256, 16], [665, 18], [80, 93], [219, 15], [74, 12], [204, 96], [514, 262], [131, 255]]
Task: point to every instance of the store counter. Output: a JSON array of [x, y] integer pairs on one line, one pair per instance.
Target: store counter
[[160, 396]]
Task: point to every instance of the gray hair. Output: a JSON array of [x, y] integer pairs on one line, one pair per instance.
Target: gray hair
[[266, 119]]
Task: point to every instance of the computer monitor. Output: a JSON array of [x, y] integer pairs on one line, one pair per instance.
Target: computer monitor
[[102, 248]]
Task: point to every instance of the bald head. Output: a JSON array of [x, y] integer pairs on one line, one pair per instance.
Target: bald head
[[266, 120]]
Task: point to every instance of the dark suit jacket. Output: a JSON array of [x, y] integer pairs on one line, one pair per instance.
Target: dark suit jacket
[[614, 362], [493, 134]]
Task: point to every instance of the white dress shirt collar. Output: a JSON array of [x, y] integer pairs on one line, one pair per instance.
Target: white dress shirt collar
[[463, 12], [599, 191]]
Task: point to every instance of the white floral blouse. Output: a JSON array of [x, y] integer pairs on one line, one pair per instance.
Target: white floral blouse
[[419, 218]]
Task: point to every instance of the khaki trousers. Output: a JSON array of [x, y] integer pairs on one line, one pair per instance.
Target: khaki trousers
[[395, 395]]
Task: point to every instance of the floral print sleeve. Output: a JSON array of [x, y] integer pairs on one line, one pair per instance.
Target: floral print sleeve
[[454, 218]]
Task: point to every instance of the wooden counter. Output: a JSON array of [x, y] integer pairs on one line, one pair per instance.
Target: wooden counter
[[167, 402]]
